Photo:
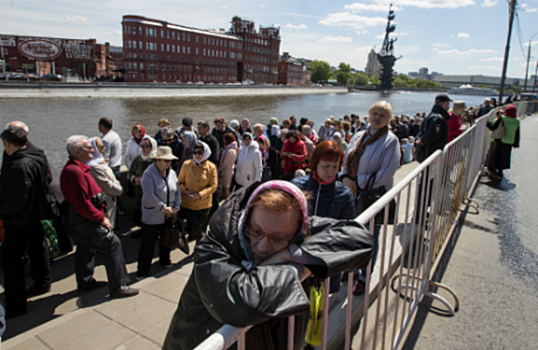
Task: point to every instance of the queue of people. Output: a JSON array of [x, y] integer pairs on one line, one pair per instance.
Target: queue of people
[[212, 179]]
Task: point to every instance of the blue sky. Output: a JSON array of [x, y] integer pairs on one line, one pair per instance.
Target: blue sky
[[447, 36]]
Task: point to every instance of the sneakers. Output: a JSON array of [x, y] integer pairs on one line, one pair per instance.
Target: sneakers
[[123, 292], [34, 291]]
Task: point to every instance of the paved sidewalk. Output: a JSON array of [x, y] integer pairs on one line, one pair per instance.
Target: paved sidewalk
[[67, 319]]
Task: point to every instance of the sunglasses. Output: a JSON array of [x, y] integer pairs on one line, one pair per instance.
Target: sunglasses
[[145, 146], [198, 153]]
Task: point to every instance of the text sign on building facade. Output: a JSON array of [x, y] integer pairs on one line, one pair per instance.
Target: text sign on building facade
[[40, 49]]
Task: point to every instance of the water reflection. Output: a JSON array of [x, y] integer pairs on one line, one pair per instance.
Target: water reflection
[[51, 121]]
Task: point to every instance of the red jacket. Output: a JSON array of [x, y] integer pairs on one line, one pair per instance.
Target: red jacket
[[299, 156], [79, 187], [454, 126]]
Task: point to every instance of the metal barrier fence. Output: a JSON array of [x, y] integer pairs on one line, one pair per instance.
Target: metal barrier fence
[[428, 204]]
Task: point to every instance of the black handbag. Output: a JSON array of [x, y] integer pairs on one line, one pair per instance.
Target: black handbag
[[86, 231], [368, 196], [172, 236]]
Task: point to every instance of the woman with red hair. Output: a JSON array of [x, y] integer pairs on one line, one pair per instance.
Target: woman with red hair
[[328, 196]]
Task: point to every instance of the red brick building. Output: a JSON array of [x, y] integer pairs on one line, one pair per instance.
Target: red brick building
[[292, 71], [41, 55], [159, 51]]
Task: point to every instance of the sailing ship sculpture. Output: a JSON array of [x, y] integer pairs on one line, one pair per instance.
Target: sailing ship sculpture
[[386, 56]]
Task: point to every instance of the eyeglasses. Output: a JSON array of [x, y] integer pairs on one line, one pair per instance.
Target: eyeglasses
[[198, 153], [258, 236], [145, 146], [170, 140]]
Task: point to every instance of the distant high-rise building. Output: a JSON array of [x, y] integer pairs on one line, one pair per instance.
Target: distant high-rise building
[[372, 65]]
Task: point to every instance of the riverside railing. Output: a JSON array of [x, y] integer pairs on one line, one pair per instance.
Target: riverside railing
[[428, 205]]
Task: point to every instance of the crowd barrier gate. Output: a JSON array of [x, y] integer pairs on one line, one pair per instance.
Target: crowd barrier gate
[[428, 205]]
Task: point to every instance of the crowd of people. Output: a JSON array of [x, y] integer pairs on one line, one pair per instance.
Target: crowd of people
[[258, 200]]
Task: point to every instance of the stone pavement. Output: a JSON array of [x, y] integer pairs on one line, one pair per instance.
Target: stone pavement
[[67, 319]]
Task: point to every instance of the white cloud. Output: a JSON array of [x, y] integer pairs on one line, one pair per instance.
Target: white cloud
[[463, 35], [224, 7], [427, 4], [76, 19], [361, 32], [526, 8], [300, 26], [464, 53], [335, 39], [489, 3], [360, 7], [442, 45], [350, 20], [262, 6], [491, 59]]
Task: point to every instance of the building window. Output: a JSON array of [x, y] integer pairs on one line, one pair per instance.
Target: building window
[[179, 68], [189, 50], [141, 65], [142, 76], [128, 30], [197, 51], [162, 47], [134, 30], [184, 49], [162, 77], [173, 35], [183, 36], [135, 65], [205, 40], [188, 37], [150, 31], [167, 34], [239, 46], [168, 67], [162, 36], [204, 50], [140, 46], [139, 30], [167, 48], [197, 39], [173, 48], [162, 67]]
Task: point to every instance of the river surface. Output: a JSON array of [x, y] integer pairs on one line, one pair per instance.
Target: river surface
[[52, 121]]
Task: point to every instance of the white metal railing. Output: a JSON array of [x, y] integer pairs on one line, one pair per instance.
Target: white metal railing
[[428, 206]]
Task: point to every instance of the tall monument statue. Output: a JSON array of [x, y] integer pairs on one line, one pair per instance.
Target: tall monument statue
[[386, 56]]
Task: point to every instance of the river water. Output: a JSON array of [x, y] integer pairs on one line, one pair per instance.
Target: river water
[[52, 121]]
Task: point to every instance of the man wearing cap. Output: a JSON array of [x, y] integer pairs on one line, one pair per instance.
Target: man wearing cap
[[485, 109], [434, 129], [249, 267]]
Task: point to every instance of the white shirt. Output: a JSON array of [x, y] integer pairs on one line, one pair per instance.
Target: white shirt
[[112, 143]]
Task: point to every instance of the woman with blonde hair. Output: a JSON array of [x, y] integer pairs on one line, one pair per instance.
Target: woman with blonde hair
[[373, 156]]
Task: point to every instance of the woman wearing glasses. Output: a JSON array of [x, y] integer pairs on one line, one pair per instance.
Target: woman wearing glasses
[[160, 201], [198, 181], [148, 148]]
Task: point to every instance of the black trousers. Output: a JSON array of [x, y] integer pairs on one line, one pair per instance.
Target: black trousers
[[197, 221], [150, 234], [16, 240], [114, 263]]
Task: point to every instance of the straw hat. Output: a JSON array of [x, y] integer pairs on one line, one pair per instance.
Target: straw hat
[[164, 152]]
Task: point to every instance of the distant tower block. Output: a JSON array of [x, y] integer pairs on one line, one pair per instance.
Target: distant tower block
[[386, 56]]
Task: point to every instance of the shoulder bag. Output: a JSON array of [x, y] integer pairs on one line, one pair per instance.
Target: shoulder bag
[[499, 132], [368, 196]]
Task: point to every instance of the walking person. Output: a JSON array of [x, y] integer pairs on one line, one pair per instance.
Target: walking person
[[23, 204], [373, 155], [249, 166], [328, 197], [500, 152], [89, 227], [160, 202], [198, 181]]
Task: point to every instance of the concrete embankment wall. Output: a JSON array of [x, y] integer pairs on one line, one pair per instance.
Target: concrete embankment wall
[[9, 90]]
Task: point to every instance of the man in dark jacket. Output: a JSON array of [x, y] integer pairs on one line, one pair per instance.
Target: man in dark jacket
[[220, 130], [434, 129], [23, 204], [249, 267], [210, 140]]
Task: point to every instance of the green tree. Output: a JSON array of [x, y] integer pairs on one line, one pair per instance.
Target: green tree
[[320, 71], [374, 80], [360, 79], [343, 74], [401, 81], [514, 89], [344, 67]]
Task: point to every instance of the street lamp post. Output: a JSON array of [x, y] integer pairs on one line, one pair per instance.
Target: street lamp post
[[528, 59], [535, 72]]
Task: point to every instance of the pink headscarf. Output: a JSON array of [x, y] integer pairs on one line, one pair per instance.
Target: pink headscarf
[[288, 188]]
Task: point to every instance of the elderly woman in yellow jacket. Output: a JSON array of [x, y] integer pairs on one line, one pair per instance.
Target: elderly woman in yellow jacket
[[198, 181]]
